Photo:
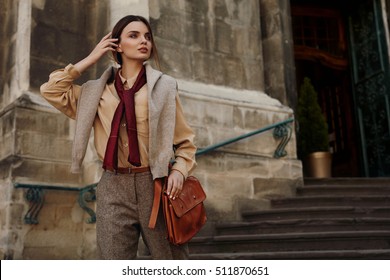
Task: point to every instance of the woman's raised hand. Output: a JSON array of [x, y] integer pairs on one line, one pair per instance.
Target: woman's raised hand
[[105, 45]]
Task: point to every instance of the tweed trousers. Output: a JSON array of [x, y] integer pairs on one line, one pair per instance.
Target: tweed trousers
[[123, 207]]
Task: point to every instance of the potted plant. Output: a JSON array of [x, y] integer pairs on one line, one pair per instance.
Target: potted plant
[[312, 133]]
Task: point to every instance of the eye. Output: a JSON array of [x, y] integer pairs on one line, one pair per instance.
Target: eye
[[133, 35], [148, 37]]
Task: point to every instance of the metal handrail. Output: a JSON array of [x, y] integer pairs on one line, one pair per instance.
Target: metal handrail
[[35, 195], [277, 134]]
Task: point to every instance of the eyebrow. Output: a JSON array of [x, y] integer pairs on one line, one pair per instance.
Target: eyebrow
[[135, 31]]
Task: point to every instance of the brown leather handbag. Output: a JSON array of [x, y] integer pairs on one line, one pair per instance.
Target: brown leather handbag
[[185, 215]]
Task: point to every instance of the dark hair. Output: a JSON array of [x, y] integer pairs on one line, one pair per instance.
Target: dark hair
[[117, 31]]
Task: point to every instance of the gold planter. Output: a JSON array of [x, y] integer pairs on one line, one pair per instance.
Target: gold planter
[[319, 165]]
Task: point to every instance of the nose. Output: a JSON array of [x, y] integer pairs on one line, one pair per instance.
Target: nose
[[144, 40]]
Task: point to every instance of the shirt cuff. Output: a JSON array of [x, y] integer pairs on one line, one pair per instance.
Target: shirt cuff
[[72, 71]]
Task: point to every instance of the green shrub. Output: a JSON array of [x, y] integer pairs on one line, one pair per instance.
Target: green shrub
[[312, 127]]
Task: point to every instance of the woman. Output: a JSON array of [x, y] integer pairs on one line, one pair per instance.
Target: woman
[[138, 122]]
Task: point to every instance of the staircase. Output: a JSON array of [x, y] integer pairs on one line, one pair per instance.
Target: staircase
[[336, 218]]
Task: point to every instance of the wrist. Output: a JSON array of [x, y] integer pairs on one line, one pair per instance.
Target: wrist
[[179, 173], [84, 64]]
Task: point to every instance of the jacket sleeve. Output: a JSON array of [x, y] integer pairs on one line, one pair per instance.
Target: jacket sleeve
[[183, 143], [60, 91]]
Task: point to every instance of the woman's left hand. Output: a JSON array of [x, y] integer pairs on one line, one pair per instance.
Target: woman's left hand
[[175, 184]]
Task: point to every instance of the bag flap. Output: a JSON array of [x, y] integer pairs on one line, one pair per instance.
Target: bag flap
[[191, 195]]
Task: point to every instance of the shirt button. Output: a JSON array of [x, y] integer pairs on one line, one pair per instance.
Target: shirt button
[[126, 145], [123, 124]]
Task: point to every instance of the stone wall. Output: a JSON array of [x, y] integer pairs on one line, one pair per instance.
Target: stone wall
[[64, 32], [214, 42], [214, 49]]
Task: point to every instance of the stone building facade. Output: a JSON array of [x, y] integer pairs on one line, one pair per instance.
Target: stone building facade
[[233, 61]]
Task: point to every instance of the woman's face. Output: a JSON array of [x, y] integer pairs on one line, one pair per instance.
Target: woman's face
[[135, 42]]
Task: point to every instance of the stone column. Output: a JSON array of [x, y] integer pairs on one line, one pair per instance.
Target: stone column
[[38, 37], [278, 51], [14, 65]]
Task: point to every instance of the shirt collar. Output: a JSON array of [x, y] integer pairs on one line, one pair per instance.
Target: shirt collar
[[129, 82]]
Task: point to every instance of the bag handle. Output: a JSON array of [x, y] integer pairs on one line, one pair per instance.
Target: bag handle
[[156, 202], [158, 189]]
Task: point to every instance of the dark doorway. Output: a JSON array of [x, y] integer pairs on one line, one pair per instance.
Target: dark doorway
[[322, 54]]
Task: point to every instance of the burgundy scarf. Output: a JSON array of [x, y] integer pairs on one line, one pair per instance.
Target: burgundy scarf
[[126, 106]]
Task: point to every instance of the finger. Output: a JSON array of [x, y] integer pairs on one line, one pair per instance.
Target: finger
[[110, 46], [107, 43], [178, 188], [110, 41], [114, 45], [174, 188], [106, 36], [109, 49], [169, 186]]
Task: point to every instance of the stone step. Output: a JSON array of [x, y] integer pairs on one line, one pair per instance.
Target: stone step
[[303, 225], [354, 181], [342, 190], [332, 218], [316, 241], [298, 255], [316, 212], [311, 201]]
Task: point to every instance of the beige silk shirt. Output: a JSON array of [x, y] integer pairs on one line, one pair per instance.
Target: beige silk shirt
[[62, 92]]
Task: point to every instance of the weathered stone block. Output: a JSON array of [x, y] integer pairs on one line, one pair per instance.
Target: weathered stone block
[[7, 146], [173, 52], [67, 16], [16, 215], [45, 172], [206, 68], [214, 35], [246, 43], [17, 195], [169, 26], [196, 7], [70, 217], [88, 250], [57, 197], [7, 122], [3, 216], [59, 237], [223, 37], [199, 37], [42, 122], [68, 252], [254, 74], [43, 146], [5, 191]]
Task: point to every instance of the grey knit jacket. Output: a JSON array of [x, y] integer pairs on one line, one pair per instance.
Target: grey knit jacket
[[162, 90]]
